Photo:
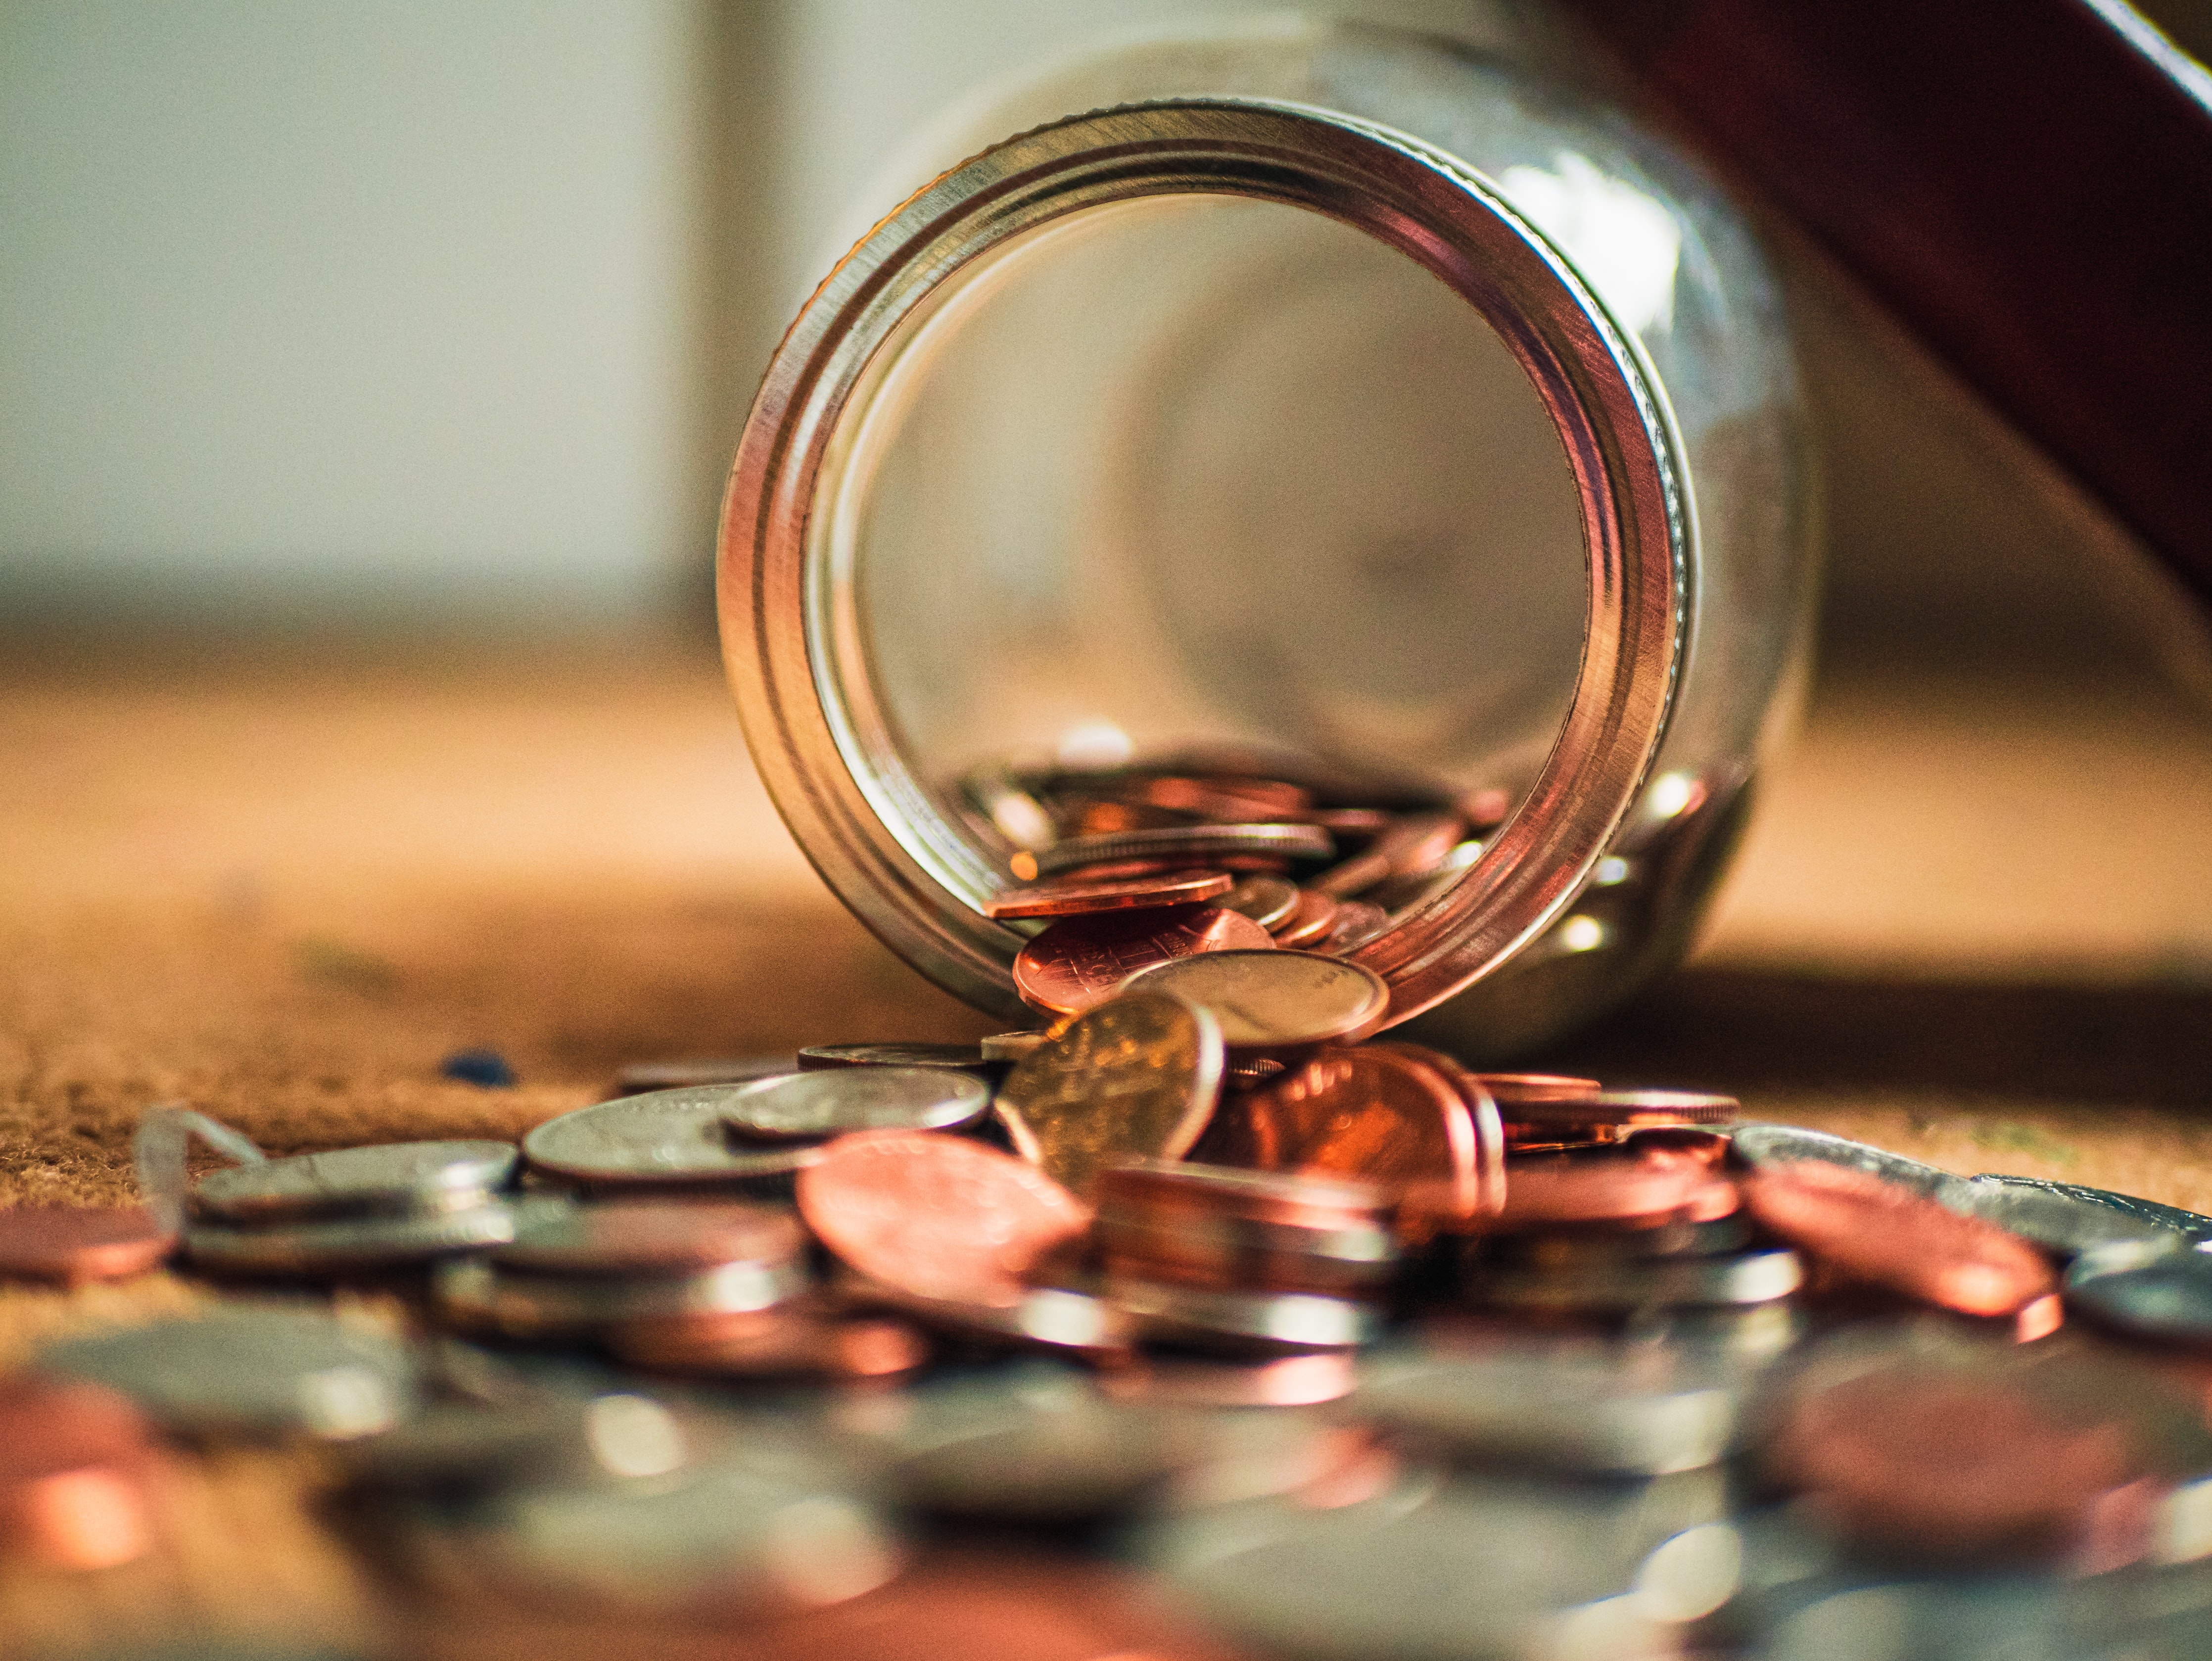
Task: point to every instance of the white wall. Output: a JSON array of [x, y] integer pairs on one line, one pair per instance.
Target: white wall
[[344, 304]]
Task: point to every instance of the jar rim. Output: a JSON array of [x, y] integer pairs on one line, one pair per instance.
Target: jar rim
[[875, 833]]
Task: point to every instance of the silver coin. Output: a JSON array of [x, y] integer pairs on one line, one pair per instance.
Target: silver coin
[[642, 1237], [347, 1244], [1245, 1322], [717, 1537], [835, 1100], [1268, 901], [664, 1138], [640, 1077], [1011, 1046], [452, 1447], [1077, 1462], [1190, 842], [1188, 1381], [957, 1057], [479, 1295], [2046, 1215], [1587, 1408], [1066, 1320], [2149, 1289], [2194, 1224], [255, 1371], [393, 1176], [1765, 1144], [1465, 1572], [1602, 1248], [1747, 1277], [1276, 999]]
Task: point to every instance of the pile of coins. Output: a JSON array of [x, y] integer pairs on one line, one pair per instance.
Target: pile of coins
[[1129, 868], [1356, 1351]]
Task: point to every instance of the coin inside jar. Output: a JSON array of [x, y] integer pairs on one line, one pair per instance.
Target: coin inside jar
[[1081, 961], [394, 1177], [936, 1215], [1135, 1077], [1192, 844], [1309, 921], [831, 1101], [1268, 901], [1067, 898], [73, 1245], [1275, 1000]]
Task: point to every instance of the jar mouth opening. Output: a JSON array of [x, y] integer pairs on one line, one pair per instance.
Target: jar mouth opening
[[891, 843]]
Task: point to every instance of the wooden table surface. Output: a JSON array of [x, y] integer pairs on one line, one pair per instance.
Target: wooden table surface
[[1973, 922]]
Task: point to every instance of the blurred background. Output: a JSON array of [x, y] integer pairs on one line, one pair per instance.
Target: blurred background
[[435, 326], [372, 312]]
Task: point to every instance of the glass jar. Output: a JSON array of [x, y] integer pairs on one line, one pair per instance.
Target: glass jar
[[1320, 400]]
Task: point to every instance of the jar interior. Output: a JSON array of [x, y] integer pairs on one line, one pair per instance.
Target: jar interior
[[1203, 471]]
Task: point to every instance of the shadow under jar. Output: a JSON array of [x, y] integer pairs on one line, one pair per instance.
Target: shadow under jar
[[1326, 404]]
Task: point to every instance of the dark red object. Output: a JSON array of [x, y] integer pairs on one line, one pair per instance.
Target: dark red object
[[2026, 187]]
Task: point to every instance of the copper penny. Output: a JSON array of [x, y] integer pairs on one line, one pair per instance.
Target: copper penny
[[650, 1237], [1414, 842], [1375, 1113], [1068, 899], [1613, 1190], [74, 1469], [1491, 1147], [1226, 800], [1080, 961], [1917, 1461], [1309, 923], [936, 1216], [1136, 1076], [1512, 1087], [73, 1245], [1356, 923], [1268, 901], [1878, 1232], [1617, 1110]]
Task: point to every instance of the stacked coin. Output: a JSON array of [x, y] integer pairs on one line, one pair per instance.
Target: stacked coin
[[1654, 1224], [648, 1269], [754, 1134], [353, 1210], [1242, 1260], [1140, 866]]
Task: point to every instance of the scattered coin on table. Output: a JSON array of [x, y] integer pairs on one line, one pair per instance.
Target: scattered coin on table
[[833, 1099]]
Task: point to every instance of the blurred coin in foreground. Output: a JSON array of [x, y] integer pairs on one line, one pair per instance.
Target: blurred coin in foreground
[[73, 1245], [2146, 1289], [251, 1371]]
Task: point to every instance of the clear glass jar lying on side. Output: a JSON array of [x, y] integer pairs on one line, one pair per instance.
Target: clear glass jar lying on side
[[1326, 404]]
